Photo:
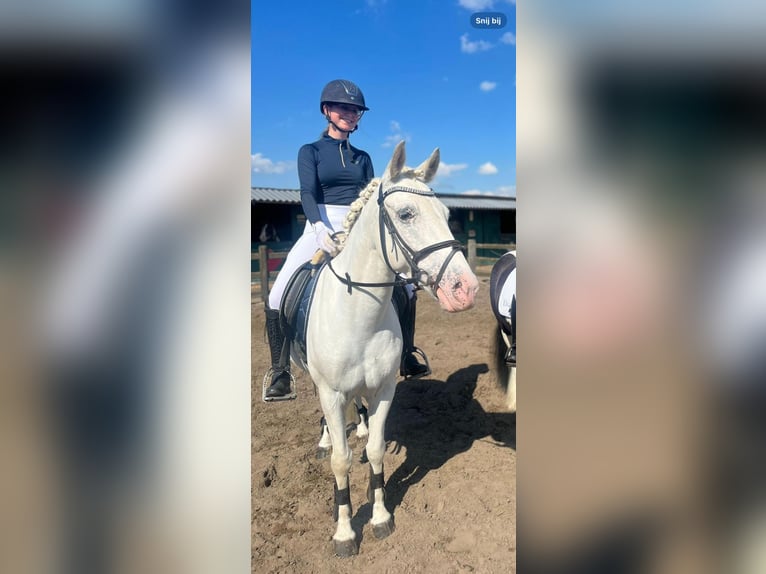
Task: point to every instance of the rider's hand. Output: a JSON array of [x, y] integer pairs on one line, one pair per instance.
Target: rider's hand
[[324, 239]]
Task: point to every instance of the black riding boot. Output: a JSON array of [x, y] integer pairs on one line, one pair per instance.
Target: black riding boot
[[280, 378], [410, 366]]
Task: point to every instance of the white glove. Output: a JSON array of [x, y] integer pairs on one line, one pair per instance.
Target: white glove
[[324, 239]]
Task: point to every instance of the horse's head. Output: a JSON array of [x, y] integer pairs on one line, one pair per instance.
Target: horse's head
[[416, 239]]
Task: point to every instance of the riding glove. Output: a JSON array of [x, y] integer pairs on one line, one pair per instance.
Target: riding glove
[[324, 239]]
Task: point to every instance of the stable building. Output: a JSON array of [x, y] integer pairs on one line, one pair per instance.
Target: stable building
[[487, 219]]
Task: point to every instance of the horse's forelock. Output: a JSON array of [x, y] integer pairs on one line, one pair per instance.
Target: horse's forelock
[[411, 173]]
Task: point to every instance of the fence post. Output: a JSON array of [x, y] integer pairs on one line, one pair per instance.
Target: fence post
[[263, 268], [472, 249]]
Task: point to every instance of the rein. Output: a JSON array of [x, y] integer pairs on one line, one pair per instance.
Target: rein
[[347, 281], [419, 276]]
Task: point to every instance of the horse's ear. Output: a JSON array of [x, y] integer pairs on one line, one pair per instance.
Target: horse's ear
[[427, 170], [396, 164]]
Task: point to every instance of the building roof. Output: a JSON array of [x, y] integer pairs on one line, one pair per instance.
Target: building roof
[[274, 195], [293, 196], [477, 201]]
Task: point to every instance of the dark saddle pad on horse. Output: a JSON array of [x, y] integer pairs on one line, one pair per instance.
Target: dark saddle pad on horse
[[296, 303], [500, 272]]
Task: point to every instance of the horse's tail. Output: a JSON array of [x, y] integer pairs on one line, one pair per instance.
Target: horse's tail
[[499, 347]]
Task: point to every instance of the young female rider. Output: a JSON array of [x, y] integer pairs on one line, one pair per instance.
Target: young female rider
[[331, 173]]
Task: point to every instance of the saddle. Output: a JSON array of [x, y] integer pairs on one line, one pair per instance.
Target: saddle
[[500, 272], [295, 306]]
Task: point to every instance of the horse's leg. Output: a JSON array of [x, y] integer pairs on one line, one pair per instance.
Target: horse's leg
[[382, 521], [333, 405], [511, 392], [510, 371], [361, 429], [325, 443]]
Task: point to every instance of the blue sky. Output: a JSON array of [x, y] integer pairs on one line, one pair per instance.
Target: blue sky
[[428, 77]]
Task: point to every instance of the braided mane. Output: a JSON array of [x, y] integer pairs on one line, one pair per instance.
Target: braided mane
[[353, 214], [359, 203]]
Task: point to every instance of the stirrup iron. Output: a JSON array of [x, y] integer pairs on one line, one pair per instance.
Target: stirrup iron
[[267, 383]]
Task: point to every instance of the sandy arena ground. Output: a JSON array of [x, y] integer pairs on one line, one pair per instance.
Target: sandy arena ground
[[450, 465]]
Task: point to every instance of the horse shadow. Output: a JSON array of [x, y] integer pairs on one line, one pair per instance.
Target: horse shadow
[[436, 420]]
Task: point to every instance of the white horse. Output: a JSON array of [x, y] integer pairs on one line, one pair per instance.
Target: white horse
[[353, 337], [502, 293]]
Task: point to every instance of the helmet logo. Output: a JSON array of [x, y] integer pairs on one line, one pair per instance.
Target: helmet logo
[[350, 89]]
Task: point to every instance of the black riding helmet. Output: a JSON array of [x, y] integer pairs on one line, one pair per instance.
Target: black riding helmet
[[342, 92]]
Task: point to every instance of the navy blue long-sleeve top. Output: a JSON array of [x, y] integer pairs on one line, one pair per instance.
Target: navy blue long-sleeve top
[[331, 172]]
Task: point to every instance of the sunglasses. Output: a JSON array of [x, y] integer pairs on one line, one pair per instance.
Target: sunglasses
[[352, 110]]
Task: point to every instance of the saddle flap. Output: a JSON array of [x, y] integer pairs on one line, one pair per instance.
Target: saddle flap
[[294, 309], [498, 276]]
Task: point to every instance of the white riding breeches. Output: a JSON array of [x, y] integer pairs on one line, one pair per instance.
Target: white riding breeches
[[304, 249], [507, 295]]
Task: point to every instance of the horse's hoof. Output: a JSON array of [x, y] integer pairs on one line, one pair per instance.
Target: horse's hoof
[[322, 453], [384, 529], [345, 548]]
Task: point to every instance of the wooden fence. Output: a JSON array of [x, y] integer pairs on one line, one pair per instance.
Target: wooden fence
[[264, 277]]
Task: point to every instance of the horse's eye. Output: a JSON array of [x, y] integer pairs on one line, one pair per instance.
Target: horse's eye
[[406, 214]]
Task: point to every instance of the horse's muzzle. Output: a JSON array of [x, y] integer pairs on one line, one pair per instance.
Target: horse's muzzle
[[457, 291]]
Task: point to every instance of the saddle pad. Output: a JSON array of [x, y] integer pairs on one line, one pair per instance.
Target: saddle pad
[[500, 272], [296, 303]]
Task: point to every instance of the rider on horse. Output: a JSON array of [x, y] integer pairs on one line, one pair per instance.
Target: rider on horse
[[331, 173]]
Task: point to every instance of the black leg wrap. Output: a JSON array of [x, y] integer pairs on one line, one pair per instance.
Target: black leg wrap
[[376, 481], [341, 497]]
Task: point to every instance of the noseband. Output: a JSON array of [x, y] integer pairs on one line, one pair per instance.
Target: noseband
[[418, 275]]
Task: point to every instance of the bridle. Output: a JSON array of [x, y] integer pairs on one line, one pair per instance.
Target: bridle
[[385, 224]]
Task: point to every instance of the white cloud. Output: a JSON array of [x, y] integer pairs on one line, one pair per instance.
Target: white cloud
[[476, 4], [394, 139], [447, 169], [487, 168], [260, 164], [487, 86], [508, 38], [472, 47], [397, 135]]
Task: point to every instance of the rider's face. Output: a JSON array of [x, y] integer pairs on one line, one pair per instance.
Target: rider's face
[[345, 113]]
